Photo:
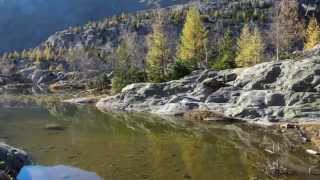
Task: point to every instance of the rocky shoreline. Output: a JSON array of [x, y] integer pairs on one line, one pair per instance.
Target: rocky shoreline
[[268, 92]]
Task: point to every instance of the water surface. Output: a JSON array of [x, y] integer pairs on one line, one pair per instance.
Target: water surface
[[123, 146]]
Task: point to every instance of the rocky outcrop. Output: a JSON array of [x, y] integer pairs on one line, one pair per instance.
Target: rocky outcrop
[[269, 91], [12, 160], [44, 81]]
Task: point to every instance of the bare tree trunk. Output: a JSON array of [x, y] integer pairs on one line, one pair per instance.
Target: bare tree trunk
[[206, 56], [277, 40], [277, 53]]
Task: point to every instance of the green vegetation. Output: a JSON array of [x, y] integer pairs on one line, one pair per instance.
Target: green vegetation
[[226, 54], [178, 70], [101, 83], [125, 73]]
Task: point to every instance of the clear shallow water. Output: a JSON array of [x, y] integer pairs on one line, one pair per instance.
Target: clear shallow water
[[142, 146]]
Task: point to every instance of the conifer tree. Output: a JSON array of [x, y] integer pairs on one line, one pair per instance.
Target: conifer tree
[[123, 65], [125, 73], [226, 55], [312, 34], [61, 52], [38, 54], [10, 56], [28, 54], [193, 45], [250, 47], [123, 56], [24, 54], [73, 53], [47, 53], [244, 40], [158, 55], [16, 55], [258, 46], [35, 54]]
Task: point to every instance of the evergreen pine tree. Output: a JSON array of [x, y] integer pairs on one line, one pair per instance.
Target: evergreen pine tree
[[125, 73], [226, 55], [123, 65]]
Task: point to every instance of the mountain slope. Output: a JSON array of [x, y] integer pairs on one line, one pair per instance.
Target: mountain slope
[[26, 23], [84, 52]]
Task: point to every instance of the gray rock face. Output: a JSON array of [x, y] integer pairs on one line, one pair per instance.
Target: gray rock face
[[268, 91], [43, 76], [14, 159]]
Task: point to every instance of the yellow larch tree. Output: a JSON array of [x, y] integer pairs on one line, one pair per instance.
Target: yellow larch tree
[[193, 45], [250, 47], [312, 34]]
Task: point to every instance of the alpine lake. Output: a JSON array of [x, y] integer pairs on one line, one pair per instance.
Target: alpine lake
[[136, 146]]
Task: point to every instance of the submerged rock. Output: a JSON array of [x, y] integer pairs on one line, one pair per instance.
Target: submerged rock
[[4, 176], [55, 127], [85, 100]]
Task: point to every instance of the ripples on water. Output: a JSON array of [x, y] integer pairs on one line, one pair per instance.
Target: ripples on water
[[123, 146]]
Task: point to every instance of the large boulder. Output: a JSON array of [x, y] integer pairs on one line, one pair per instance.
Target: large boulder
[[262, 76], [275, 99], [13, 159], [224, 95], [177, 108], [3, 80]]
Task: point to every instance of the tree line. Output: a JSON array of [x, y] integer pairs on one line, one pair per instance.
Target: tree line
[[287, 34]]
